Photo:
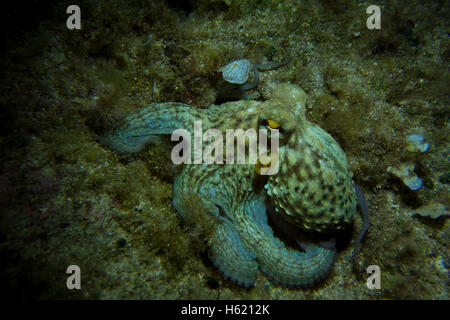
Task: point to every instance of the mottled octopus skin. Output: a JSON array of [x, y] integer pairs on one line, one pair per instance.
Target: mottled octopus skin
[[313, 189]]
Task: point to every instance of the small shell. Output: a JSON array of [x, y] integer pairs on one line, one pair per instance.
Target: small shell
[[416, 143], [413, 182], [236, 71], [406, 173]]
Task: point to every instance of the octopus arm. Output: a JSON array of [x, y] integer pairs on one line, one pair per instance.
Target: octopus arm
[[281, 264], [232, 257], [144, 127], [227, 251]]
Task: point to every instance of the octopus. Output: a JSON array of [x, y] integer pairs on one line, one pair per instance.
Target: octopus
[[309, 199]]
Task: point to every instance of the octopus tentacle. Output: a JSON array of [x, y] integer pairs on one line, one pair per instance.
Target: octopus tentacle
[[232, 256], [144, 127], [228, 251], [281, 264], [365, 213]]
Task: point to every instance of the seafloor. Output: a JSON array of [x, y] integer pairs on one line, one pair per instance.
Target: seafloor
[[67, 200]]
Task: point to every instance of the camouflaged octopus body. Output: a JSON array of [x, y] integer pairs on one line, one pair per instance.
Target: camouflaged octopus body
[[312, 190]]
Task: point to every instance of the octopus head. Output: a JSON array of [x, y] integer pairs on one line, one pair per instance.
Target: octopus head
[[313, 186]]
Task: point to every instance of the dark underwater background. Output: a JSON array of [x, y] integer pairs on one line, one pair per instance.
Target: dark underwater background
[[65, 199]]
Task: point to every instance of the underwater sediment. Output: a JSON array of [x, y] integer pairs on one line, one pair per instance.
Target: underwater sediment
[[68, 199]]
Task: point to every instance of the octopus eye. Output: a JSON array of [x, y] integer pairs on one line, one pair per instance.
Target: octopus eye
[[272, 124]]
